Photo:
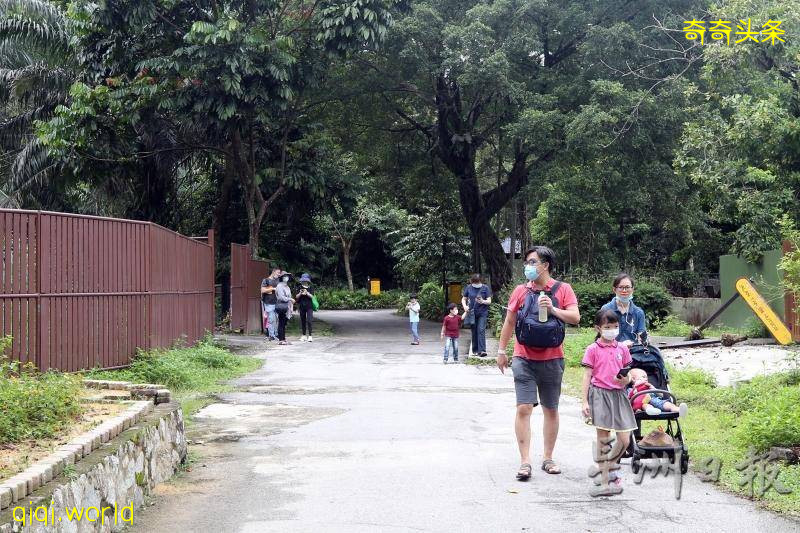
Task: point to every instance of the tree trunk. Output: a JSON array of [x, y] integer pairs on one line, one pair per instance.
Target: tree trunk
[[255, 203], [222, 204], [456, 147], [513, 238], [346, 257], [486, 244]]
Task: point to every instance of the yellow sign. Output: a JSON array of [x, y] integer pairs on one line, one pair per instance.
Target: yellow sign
[[374, 286], [763, 311]]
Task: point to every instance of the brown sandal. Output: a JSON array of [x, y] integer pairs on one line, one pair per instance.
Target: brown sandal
[[550, 466], [524, 472]]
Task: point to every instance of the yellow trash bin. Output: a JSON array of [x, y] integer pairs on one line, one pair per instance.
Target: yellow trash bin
[[374, 286], [454, 292]]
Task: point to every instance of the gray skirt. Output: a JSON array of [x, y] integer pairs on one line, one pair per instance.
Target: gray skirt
[[611, 409]]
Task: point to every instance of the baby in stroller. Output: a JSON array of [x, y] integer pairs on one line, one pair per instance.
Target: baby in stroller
[[652, 404]]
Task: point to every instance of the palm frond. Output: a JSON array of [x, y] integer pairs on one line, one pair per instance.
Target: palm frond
[[31, 167]]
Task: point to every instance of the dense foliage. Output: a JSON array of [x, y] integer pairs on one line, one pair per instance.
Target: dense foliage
[[359, 299], [35, 404], [181, 368], [406, 139]]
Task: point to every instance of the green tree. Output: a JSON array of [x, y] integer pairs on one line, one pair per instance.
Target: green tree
[[508, 74], [37, 67], [741, 148], [229, 79]]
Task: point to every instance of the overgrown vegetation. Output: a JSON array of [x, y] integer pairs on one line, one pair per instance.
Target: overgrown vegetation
[[431, 302], [359, 299], [193, 374], [644, 157], [34, 404]]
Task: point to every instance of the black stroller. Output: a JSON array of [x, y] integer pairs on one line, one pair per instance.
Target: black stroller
[[649, 359]]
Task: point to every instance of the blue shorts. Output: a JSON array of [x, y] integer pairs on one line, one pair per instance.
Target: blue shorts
[[657, 401]]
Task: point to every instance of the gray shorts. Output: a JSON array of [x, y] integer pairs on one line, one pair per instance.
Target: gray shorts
[[542, 375]]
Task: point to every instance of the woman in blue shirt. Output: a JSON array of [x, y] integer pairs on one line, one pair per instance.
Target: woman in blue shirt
[[631, 317]]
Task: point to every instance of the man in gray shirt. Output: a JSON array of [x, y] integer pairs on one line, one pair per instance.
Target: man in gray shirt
[[268, 301]]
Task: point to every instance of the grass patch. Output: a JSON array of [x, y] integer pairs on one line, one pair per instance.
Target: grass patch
[[481, 361], [724, 422], [194, 374], [35, 405], [673, 326]]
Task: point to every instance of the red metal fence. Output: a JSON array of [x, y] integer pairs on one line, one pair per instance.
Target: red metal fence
[[79, 291], [246, 276]]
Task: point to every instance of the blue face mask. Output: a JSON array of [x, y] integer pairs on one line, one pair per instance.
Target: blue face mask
[[624, 299], [531, 273]]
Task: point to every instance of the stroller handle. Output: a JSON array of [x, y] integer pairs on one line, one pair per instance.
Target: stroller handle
[[650, 391]]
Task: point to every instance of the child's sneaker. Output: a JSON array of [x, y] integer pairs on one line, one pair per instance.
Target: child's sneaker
[[303, 338], [683, 410], [309, 339], [444, 361], [652, 411], [455, 359]]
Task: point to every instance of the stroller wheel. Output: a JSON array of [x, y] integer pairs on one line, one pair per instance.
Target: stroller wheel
[[684, 462], [636, 463]]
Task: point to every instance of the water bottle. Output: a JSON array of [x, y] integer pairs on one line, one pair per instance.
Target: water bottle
[[542, 310]]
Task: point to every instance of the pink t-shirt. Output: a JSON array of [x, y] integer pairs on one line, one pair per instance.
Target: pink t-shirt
[[565, 296], [605, 360]]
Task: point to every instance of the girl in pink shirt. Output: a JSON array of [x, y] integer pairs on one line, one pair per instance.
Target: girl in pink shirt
[[605, 404]]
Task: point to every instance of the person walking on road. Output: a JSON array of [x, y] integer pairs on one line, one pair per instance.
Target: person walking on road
[[605, 404], [538, 363], [413, 317], [451, 326], [268, 302], [283, 294], [306, 307], [475, 299]]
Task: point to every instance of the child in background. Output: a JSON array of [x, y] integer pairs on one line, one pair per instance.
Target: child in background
[[413, 317], [450, 331], [605, 403]]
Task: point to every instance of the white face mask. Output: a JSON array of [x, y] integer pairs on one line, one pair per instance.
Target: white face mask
[[609, 334], [477, 285], [285, 279]]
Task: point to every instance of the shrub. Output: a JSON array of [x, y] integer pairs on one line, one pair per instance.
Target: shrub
[[35, 405], [746, 396], [359, 299], [681, 282], [592, 295], [774, 420], [497, 313], [671, 326], [180, 368], [431, 302]]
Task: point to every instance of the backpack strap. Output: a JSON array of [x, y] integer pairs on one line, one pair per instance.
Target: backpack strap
[[553, 291]]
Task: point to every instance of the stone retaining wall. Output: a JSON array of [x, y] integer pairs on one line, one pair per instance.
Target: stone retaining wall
[[112, 468]]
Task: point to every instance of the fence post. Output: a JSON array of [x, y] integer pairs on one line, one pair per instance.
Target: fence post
[[42, 359], [148, 286]]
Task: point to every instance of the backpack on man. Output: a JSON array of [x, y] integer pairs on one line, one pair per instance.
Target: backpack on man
[[531, 332]]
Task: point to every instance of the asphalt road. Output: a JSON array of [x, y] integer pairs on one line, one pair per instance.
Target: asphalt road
[[361, 432]]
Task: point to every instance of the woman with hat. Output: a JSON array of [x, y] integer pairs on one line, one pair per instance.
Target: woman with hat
[[305, 306], [284, 306]]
